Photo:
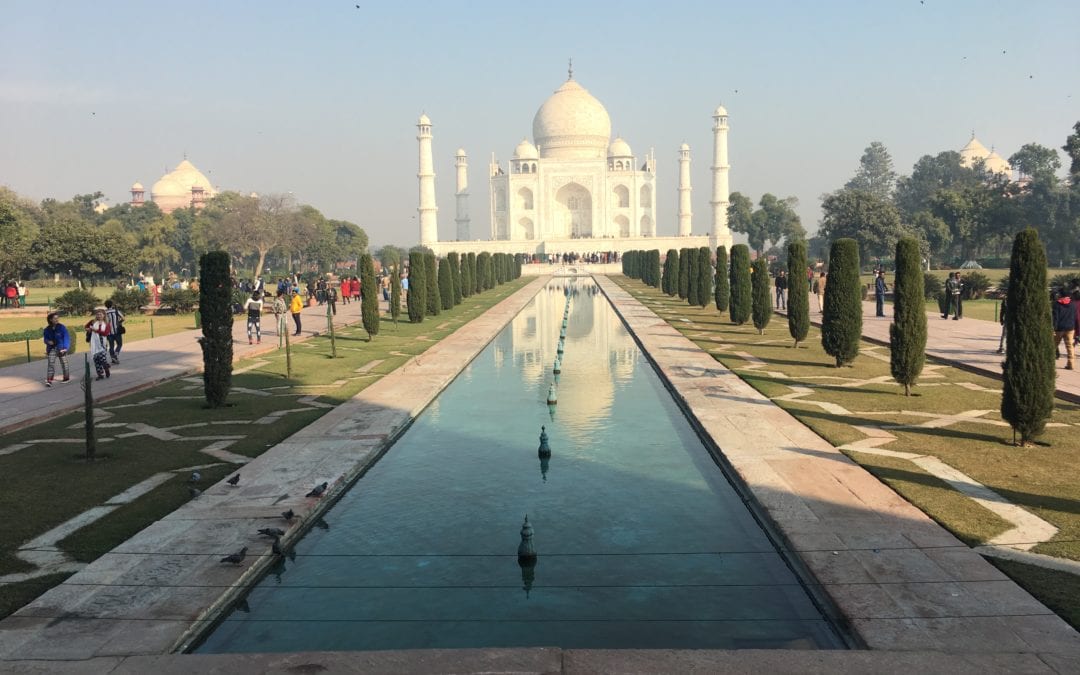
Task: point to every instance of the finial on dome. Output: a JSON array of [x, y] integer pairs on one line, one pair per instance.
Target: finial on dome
[[570, 70], [972, 134]]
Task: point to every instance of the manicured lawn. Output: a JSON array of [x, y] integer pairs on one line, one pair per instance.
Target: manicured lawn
[[31, 510], [138, 328], [1041, 479]]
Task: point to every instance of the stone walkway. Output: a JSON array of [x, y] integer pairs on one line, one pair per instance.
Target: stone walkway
[[898, 580], [25, 399]]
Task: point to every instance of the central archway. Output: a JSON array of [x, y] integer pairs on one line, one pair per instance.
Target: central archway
[[573, 211]]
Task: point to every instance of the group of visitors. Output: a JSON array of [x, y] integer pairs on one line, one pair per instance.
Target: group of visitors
[[104, 334], [12, 294], [781, 284]]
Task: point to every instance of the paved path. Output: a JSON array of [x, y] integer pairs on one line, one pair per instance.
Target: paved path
[[25, 399], [898, 579], [968, 343]]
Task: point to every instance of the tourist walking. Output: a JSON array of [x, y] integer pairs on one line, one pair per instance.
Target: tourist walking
[[115, 318], [819, 291], [295, 307], [280, 308], [1065, 325], [879, 292], [952, 296], [97, 333], [331, 299], [1001, 342], [781, 290], [254, 307], [20, 294], [57, 343], [11, 295]]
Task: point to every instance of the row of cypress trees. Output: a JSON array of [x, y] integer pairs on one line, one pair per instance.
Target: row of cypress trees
[[643, 265], [440, 284]]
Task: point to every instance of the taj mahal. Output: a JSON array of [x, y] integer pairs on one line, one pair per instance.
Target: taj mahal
[[574, 188]]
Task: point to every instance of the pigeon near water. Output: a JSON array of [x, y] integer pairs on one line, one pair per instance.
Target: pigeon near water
[[272, 532], [195, 477], [288, 515], [234, 480], [318, 490], [235, 558]]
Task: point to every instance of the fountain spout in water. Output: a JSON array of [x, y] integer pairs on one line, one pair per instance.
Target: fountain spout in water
[[553, 397], [544, 450]]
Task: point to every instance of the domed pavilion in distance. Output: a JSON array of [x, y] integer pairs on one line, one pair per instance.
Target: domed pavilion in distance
[[574, 188], [182, 187]]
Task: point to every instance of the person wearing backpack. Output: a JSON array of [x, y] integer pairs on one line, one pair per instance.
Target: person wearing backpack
[[115, 318]]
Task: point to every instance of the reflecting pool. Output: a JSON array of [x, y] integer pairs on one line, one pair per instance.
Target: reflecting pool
[[641, 541]]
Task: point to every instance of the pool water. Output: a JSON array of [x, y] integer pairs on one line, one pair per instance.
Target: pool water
[[641, 540]]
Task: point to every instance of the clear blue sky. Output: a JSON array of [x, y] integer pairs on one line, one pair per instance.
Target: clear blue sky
[[321, 98]]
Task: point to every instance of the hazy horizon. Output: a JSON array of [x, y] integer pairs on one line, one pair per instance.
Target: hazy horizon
[[322, 100]]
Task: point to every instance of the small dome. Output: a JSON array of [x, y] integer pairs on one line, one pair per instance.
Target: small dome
[[525, 150], [460, 152], [721, 111], [572, 124], [137, 187], [168, 187], [619, 148], [995, 163], [684, 146], [424, 119]]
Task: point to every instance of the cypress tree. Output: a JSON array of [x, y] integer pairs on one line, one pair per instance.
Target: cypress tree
[[907, 332], [489, 272], [671, 272], [395, 292], [215, 309], [740, 284], [684, 273], [723, 284], [798, 304], [417, 296], [467, 284], [474, 279], [455, 277], [704, 269], [654, 268], [431, 275], [369, 301], [760, 301], [841, 320], [446, 285], [693, 276], [1028, 373]]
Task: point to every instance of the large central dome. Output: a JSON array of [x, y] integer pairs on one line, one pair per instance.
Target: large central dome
[[572, 124]]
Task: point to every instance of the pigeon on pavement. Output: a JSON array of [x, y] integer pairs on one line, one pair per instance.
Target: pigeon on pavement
[[288, 515], [234, 480], [235, 558], [272, 532], [318, 490]]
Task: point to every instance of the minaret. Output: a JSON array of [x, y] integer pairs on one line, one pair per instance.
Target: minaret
[[685, 213], [721, 235], [429, 228], [138, 193], [462, 220]]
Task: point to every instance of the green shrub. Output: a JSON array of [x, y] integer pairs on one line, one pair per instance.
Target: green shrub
[[431, 275], [369, 298], [446, 284], [975, 285], [841, 321], [760, 296], [1028, 374], [740, 284], [671, 272], [684, 273], [215, 295], [798, 304], [455, 277], [77, 302], [130, 300], [705, 276], [907, 332], [1066, 279], [184, 301], [395, 292], [722, 284], [416, 299], [932, 286]]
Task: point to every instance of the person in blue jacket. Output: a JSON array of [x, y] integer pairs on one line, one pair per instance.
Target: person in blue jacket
[[57, 344]]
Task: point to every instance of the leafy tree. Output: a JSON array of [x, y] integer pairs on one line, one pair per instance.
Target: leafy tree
[[931, 173], [454, 267], [875, 174], [741, 300], [774, 220], [416, 299], [215, 309], [391, 256], [761, 301], [431, 274], [154, 249], [1072, 149], [741, 219], [257, 225], [395, 292], [369, 299], [75, 246], [705, 275], [671, 272], [871, 221], [841, 321], [934, 231], [1036, 161], [907, 332], [446, 284], [722, 285], [1028, 372], [798, 303], [18, 229], [684, 273]]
